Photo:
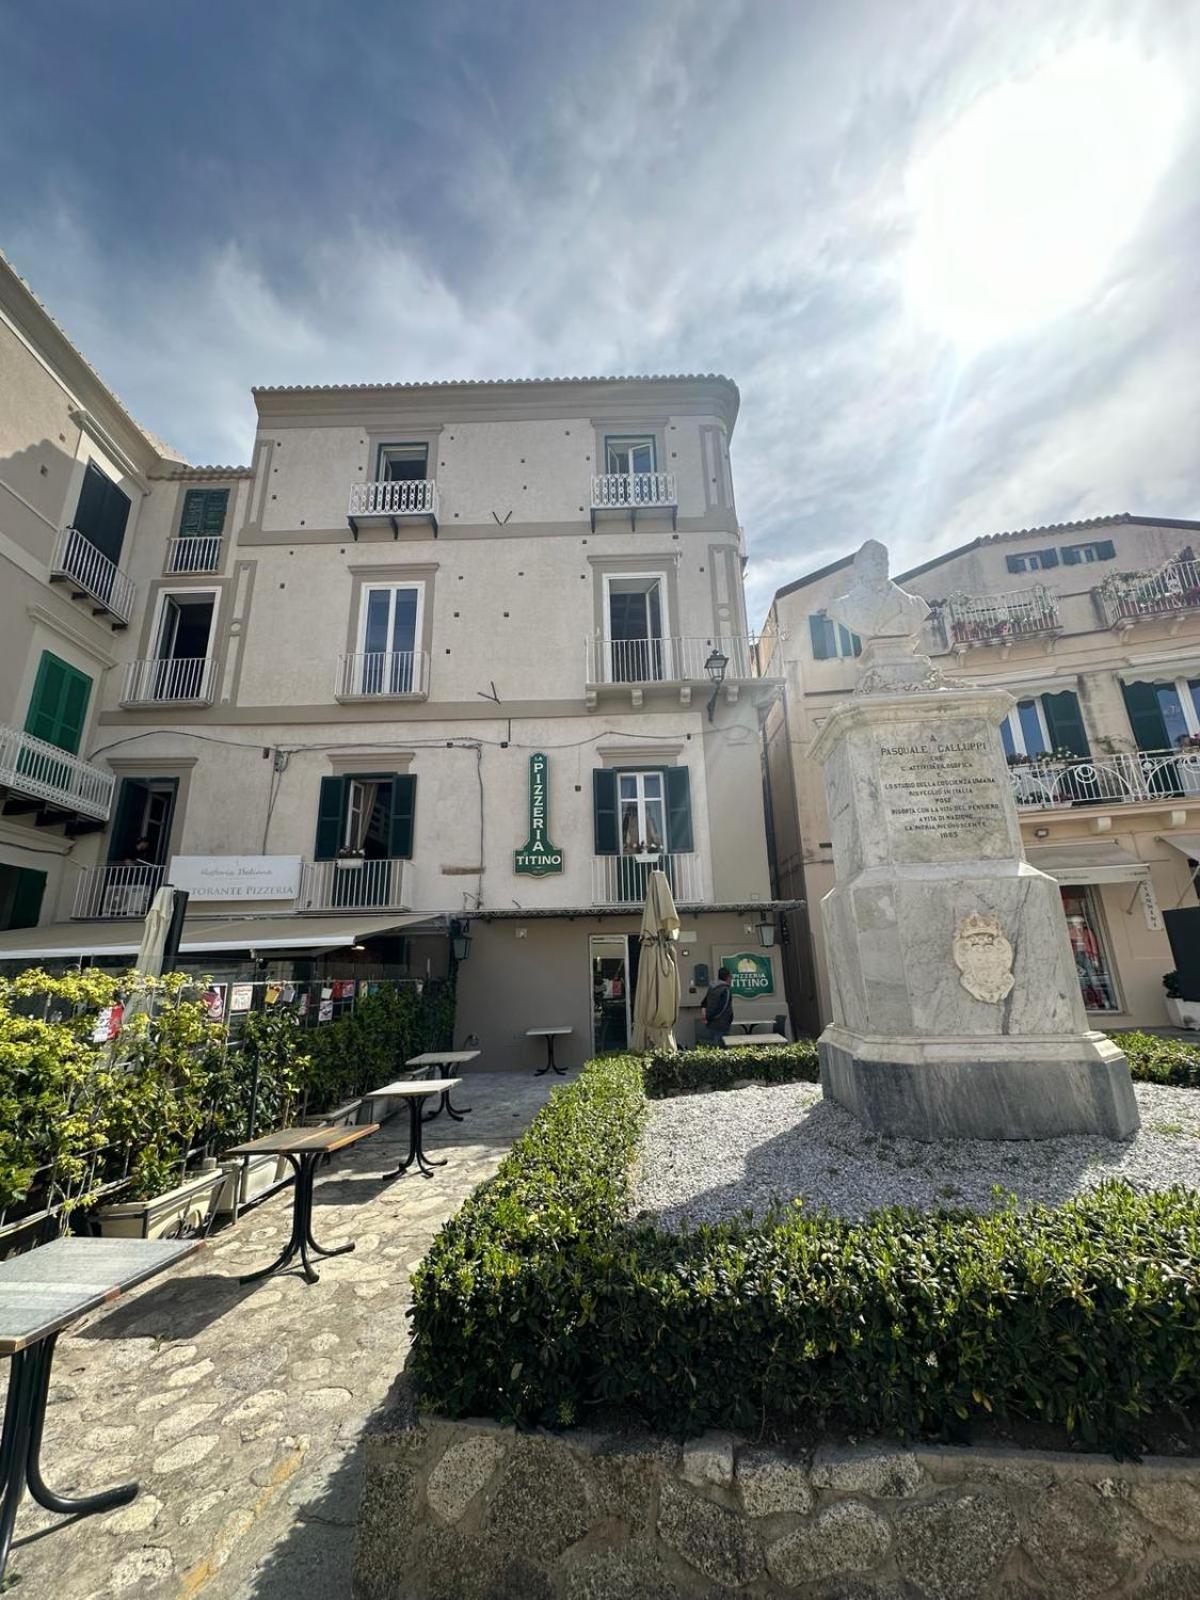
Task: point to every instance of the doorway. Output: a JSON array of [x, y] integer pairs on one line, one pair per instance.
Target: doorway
[[614, 978]]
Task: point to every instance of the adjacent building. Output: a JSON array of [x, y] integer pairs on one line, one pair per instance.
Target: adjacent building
[[1094, 628]]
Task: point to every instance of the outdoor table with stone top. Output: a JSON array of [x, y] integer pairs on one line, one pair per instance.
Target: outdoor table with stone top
[[754, 1041], [415, 1092], [241, 1409], [445, 1061], [549, 1034], [41, 1293]]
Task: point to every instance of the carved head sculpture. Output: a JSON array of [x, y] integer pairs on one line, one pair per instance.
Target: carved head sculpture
[[983, 957]]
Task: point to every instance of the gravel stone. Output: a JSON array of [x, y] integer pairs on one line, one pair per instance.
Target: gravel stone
[[950, 1548], [710, 1538], [1083, 1541], [849, 1537], [884, 1472], [461, 1473], [770, 1484], [708, 1157], [541, 1501], [709, 1459], [634, 1573]]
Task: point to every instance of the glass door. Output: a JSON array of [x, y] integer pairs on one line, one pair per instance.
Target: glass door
[[636, 646], [610, 992], [391, 624]]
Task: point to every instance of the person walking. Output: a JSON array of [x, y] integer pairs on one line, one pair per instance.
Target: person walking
[[717, 1009]]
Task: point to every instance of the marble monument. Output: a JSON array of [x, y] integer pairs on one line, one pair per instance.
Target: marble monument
[[956, 1006]]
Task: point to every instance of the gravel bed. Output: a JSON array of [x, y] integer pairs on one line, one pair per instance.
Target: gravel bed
[[711, 1156]]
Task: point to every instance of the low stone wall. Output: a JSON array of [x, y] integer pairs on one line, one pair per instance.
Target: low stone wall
[[473, 1511]]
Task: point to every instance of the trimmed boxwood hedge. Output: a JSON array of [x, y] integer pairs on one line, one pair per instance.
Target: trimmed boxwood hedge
[[710, 1067], [540, 1303], [1153, 1059]]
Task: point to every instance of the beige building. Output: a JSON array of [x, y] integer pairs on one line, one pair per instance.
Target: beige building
[[464, 658], [1094, 628]]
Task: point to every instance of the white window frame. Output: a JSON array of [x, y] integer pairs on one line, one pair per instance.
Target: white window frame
[[1183, 688], [664, 612], [642, 801], [1013, 723], [160, 610], [1085, 553], [400, 445], [630, 442], [364, 601], [842, 636]]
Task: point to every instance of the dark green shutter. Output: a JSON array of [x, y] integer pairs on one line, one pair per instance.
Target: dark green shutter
[[203, 512], [679, 810], [404, 804], [1145, 716], [330, 818], [1064, 720], [1049, 558], [102, 512], [131, 802], [1071, 555], [606, 836], [58, 706], [1105, 550], [822, 637], [26, 905]]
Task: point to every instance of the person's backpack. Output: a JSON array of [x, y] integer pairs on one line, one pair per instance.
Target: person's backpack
[[723, 1016]]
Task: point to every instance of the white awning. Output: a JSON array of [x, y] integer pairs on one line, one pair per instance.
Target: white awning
[[1087, 862], [1188, 844], [63, 940]]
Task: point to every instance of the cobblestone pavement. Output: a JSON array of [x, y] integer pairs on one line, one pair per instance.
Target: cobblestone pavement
[[240, 1409]]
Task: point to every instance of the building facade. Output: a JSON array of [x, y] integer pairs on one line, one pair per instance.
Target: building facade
[[452, 659], [1094, 628]]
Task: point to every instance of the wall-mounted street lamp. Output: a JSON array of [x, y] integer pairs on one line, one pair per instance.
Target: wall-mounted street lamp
[[765, 928], [715, 667], [460, 938]]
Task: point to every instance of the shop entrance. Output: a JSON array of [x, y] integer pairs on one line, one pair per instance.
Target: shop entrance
[[614, 977]]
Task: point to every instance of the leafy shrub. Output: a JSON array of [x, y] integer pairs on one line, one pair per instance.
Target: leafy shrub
[[1156, 1060], [710, 1067], [540, 1303], [370, 1045]]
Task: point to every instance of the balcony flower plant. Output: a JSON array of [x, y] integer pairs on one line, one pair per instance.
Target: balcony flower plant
[[348, 857]]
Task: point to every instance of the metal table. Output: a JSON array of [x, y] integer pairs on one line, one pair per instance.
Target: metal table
[[748, 1024], [444, 1061], [414, 1090], [549, 1034], [303, 1147], [41, 1292]]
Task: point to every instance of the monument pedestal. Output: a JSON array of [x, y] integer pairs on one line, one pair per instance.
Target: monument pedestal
[[956, 1005]]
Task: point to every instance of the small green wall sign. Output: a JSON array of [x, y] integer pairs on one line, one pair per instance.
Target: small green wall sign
[[538, 858], [750, 975]]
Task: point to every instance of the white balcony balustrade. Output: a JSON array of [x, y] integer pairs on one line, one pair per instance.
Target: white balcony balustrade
[[116, 891], [187, 681], [42, 771], [671, 660], [199, 553], [352, 884], [77, 561], [969, 619], [1126, 597], [621, 880], [393, 502], [631, 492], [382, 675], [1127, 778]]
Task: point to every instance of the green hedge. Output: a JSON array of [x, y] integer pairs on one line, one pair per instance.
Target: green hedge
[[367, 1047], [539, 1303], [710, 1067], [1156, 1060]]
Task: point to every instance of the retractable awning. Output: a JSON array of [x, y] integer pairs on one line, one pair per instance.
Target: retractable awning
[[64, 940], [1087, 862], [1188, 844]]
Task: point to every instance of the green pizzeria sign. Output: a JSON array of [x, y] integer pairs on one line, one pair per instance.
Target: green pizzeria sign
[[538, 857], [750, 975]]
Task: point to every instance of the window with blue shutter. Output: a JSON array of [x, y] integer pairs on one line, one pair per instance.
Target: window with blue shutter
[[1094, 550], [1032, 561], [388, 802]]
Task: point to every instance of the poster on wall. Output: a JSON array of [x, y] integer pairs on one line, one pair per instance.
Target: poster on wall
[[213, 1001], [325, 1013], [108, 1024], [241, 997], [751, 973]]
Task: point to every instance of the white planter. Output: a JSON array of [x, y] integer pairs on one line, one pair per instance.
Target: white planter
[[1184, 1013], [245, 1180], [189, 1205]]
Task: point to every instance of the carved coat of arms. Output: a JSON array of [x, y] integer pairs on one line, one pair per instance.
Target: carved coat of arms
[[983, 957]]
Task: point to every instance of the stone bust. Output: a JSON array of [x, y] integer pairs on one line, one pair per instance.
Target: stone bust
[[874, 607]]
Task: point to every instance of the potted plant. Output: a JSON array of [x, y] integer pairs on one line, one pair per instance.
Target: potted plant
[[1183, 1013], [348, 857]]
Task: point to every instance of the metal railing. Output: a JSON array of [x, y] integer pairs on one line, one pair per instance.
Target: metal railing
[[41, 770], [416, 497], [116, 891], [1127, 778], [169, 679], [969, 619], [1125, 596], [197, 553], [377, 674], [621, 880], [671, 660], [77, 559], [619, 491], [352, 885]]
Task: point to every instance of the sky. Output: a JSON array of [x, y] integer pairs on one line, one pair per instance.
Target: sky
[[947, 250]]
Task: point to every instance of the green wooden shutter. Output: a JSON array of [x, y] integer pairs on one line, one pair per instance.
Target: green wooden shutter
[[679, 809], [1145, 717], [330, 818], [26, 905], [606, 836], [1064, 720], [58, 705], [404, 805], [1105, 550], [203, 512], [102, 512]]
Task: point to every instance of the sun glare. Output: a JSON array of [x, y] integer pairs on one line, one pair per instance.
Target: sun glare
[[1022, 203]]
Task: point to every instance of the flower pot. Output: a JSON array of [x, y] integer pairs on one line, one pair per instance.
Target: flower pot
[[345, 863], [1184, 1013], [245, 1180], [187, 1205]]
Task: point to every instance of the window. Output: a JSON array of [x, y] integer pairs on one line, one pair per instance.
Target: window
[[1032, 561], [366, 814], [102, 512], [390, 624], [1045, 723], [1095, 550], [1163, 715], [831, 640], [627, 455], [21, 891], [141, 827], [635, 628], [642, 816], [183, 639], [1024, 732], [642, 809], [403, 463], [204, 512], [58, 706], [1097, 983]]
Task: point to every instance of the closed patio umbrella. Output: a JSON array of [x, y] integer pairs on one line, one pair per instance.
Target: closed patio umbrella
[[656, 999], [152, 948]]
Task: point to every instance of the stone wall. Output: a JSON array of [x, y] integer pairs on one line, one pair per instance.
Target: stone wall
[[474, 1511]]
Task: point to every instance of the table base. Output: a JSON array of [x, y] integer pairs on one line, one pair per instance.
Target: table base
[[447, 1105], [301, 1242], [416, 1146], [20, 1452], [551, 1064]]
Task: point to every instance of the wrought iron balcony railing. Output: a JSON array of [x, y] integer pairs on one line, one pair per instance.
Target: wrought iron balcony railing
[[116, 891], [390, 501], [42, 771], [1124, 597], [1127, 778], [382, 675], [970, 619], [352, 885], [197, 553], [671, 660], [621, 880], [634, 492], [76, 560], [187, 681]]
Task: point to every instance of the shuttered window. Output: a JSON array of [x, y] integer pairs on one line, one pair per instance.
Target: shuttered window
[[333, 807], [204, 512], [102, 512], [21, 891], [1032, 561], [59, 703], [830, 640], [1095, 550], [606, 830]]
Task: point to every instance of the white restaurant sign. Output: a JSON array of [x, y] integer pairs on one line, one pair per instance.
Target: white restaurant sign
[[237, 877]]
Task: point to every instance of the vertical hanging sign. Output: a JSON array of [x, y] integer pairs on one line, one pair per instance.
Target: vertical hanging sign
[[538, 857]]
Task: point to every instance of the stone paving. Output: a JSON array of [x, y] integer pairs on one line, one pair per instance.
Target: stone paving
[[240, 1410]]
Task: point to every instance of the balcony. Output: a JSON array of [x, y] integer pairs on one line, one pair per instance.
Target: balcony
[[115, 891], [412, 500], [169, 681], [621, 880], [675, 663], [353, 885], [970, 620], [77, 561], [46, 780], [379, 675], [1128, 778], [627, 493], [200, 553], [1129, 597]]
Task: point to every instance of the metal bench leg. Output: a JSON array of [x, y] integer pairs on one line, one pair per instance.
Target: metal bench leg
[[42, 1357]]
